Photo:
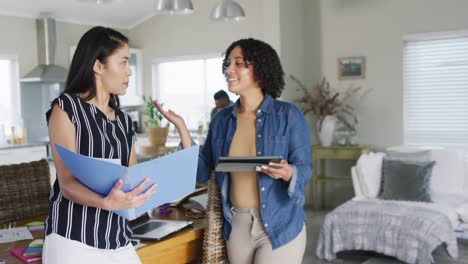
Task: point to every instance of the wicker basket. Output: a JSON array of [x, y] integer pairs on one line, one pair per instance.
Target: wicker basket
[[24, 190], [214, 247]]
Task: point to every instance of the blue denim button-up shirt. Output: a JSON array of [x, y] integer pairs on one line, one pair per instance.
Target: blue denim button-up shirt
[[281, 131]]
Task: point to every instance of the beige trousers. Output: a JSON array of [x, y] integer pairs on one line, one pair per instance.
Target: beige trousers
[[248, 242]]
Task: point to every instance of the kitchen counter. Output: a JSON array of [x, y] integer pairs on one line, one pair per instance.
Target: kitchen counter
[[18, 153], [27, 145], [173, 141]]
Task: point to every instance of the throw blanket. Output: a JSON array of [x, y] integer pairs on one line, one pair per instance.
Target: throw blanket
[[408, 233]]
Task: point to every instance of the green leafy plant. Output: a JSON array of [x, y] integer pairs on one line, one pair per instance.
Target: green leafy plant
[[323, 100], [154, 116]]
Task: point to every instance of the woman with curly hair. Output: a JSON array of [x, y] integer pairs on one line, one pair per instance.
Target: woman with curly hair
[[263, 209]]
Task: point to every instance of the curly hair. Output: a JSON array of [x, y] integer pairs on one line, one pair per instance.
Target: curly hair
[[268, 71]]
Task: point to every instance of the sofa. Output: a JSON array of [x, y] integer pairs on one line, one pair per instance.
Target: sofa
[[448, 182], [408, 230]]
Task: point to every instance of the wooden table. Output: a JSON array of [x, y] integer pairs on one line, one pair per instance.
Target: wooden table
[[319, 156], [182, 247]]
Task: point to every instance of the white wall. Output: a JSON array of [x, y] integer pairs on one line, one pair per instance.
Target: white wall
[[300, 47], [68, 35], [18, 37], [172, 36], [312, 49], [292, 44], [374, 28]]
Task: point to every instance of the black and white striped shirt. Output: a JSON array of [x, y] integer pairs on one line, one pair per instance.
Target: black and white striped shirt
[[96, 136]]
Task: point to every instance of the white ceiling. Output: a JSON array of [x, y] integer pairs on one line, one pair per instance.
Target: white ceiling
[[123, 14]]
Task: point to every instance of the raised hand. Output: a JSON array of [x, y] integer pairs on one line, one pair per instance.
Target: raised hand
[[118, 199], [178, 122], [170, 115]]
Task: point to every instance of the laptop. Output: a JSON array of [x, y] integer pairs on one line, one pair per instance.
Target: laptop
[[148, 228]]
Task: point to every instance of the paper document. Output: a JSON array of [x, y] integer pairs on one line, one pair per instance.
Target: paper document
[[201, 199], [175, 175], [182, 199], [14, 234]]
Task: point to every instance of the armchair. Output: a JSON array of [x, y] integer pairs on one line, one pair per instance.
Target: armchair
[[24, 190]]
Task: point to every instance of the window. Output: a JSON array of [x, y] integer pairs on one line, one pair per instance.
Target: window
[[133, 94], [187, 86], [436, 90], [10, 113]]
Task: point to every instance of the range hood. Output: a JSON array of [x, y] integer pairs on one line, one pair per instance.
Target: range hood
[[46, 71]]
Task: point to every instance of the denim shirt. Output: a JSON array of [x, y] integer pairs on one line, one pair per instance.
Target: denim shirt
[[281, 131]]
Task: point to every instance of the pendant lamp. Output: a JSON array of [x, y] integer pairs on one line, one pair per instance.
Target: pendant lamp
[[173, 7], [227, 10]]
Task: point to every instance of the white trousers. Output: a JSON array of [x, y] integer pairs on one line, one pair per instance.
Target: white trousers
[[59, 250]]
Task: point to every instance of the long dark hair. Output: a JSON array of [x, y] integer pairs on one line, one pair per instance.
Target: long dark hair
[[98, 43], [268, 71]]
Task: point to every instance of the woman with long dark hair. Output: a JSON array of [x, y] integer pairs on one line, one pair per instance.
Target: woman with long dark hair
[[86, 118]]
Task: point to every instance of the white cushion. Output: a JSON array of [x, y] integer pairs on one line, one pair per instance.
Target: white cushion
[[408, 149], [448, 172], [408, 155], [356, 184], [369, 171], [462, 212]]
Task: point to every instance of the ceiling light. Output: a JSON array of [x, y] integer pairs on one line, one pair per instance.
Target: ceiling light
[[173, 7], [227, 10]]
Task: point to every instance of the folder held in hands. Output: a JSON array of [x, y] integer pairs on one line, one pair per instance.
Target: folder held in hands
[[175, 175]]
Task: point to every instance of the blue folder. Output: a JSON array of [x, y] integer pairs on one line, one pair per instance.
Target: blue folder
[[174, 174]]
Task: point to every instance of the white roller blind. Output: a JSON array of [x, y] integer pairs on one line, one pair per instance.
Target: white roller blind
[[436, 92]]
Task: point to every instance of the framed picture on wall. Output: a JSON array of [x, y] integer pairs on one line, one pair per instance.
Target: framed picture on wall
[[351, 68]]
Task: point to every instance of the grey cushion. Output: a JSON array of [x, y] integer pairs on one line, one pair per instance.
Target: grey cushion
[[406, 181], [410, 156]]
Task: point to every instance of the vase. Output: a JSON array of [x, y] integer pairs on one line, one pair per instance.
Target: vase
[[345, 135], [326, 130]]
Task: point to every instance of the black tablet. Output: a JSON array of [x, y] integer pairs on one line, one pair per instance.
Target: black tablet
[[230, 164]]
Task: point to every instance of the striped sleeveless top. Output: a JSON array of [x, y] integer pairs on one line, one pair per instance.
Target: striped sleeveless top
[[96, 136]]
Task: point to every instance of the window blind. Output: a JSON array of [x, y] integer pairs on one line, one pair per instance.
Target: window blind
[[436, 92]]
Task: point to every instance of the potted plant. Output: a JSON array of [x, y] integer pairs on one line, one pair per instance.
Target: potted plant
[[157, 135], [330, 108], [200, 127]]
